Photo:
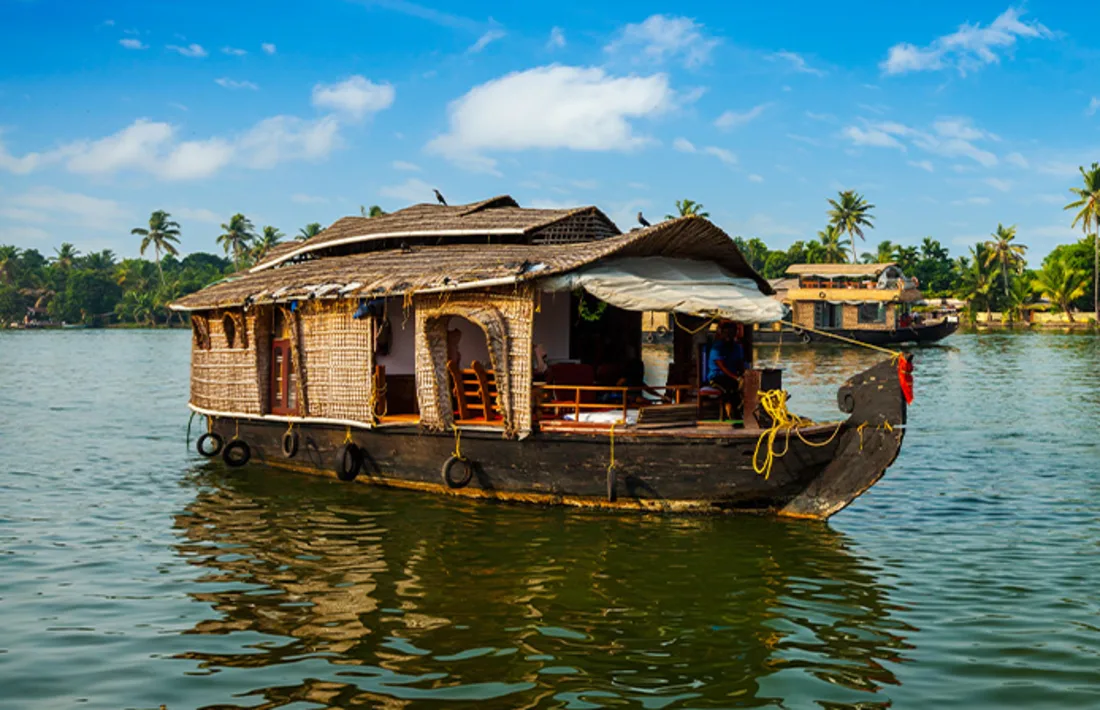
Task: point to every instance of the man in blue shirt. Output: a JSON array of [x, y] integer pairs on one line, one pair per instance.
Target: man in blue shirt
[[726, 365]]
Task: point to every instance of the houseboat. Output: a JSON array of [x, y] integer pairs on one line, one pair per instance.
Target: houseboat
[[491, 351], [869, 303]]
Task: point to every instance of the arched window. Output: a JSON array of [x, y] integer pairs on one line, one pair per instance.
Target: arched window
[[230, 328]]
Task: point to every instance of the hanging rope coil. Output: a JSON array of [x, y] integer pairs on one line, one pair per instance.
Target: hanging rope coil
[[774, 404], [457, 453]]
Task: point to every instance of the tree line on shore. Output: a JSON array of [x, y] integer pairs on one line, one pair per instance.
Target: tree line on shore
[[98, 287], [993, 276]]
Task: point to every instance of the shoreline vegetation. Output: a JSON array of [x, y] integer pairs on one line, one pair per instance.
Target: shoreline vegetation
[[993, 278]]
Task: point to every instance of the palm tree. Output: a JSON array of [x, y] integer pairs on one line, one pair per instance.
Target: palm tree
[[975, 286], [688, 208], [1061, 283], [1088, 206], [1000, 248], [237, 237], [9, 256], [163, 234], [1020, 295], [882, 254], [65, 256], [309, 231], [851, 213], [374, 211], [833, 246], [270, 237]]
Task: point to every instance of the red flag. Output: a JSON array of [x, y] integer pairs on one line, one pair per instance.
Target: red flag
[[905, 376]]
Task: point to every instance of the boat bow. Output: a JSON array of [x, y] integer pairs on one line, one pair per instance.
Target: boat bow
[[870, 442]]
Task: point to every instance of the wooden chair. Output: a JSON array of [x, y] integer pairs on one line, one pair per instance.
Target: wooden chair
[[475, 391]]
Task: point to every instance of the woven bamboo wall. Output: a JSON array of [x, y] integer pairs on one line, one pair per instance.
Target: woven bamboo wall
[[506, 318], [337, 359], [225, 378]]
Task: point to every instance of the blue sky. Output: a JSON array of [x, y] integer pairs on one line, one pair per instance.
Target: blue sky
[[950, 117]]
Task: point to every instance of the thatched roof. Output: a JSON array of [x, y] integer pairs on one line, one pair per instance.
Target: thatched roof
[[499, 216], [467, 266], [834, 270]]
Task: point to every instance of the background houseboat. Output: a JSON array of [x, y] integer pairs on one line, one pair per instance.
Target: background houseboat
[[485, 350], [870, 303]]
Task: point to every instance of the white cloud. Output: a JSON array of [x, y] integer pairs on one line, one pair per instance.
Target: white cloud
[[130, 43], [661, 38], [154, 148], [550, 107], [722, 154], [201, 214], [303, 199], [485, 39], [1094, 104], [923, 165], [1059, 168], [412, 191], [281, 139], [234, 51], [1016, 160], [967, 49], [192, 50], [557, 39], [797, 62], [50, 206], [355, 96], [980, 201], [406, 166], [756, 178], [735, 119], [999, 184], [1051, 199], [268, 48], [232, 84], [871, 136], [949, 137], [685, 146], [22, 235]]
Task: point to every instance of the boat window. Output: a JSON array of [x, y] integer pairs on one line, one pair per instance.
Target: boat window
[[230, 329], [828, 315], [200, 329], [872, 313]]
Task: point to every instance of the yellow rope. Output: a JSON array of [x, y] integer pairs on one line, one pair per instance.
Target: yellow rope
[[689, 331], [458, 444], [774, 404], [237, 431], [612, 464], [892, 353], [347, 436]]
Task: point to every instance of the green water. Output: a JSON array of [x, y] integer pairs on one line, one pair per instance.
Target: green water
[[133, 574]]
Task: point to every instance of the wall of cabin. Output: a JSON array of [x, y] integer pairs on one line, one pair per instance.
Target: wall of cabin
[[228, 361], [337, 355]]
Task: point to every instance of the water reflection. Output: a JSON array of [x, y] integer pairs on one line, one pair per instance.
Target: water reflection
[[357, 596]]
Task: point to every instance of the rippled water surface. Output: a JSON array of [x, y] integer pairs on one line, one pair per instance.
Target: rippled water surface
[[133, 574]]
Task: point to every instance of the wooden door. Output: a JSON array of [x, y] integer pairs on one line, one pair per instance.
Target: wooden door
[[284, 380]]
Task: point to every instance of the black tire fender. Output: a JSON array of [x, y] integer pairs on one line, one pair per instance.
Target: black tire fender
[[349, 459], [806, 337], [448, 467], [236, 453], [290, 444], [219, 442]]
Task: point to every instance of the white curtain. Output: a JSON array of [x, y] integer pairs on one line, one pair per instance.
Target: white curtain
[[687, 286]]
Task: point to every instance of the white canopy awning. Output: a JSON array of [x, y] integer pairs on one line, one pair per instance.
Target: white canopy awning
[[687, 286]]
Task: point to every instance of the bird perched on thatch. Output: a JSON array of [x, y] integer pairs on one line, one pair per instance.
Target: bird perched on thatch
[[439, 197], [642, 220]]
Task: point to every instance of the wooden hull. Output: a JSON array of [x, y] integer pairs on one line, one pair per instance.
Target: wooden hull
[[915, 334], [688, 471]]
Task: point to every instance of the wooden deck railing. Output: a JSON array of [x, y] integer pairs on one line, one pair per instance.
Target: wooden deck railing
[[577, 403]]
